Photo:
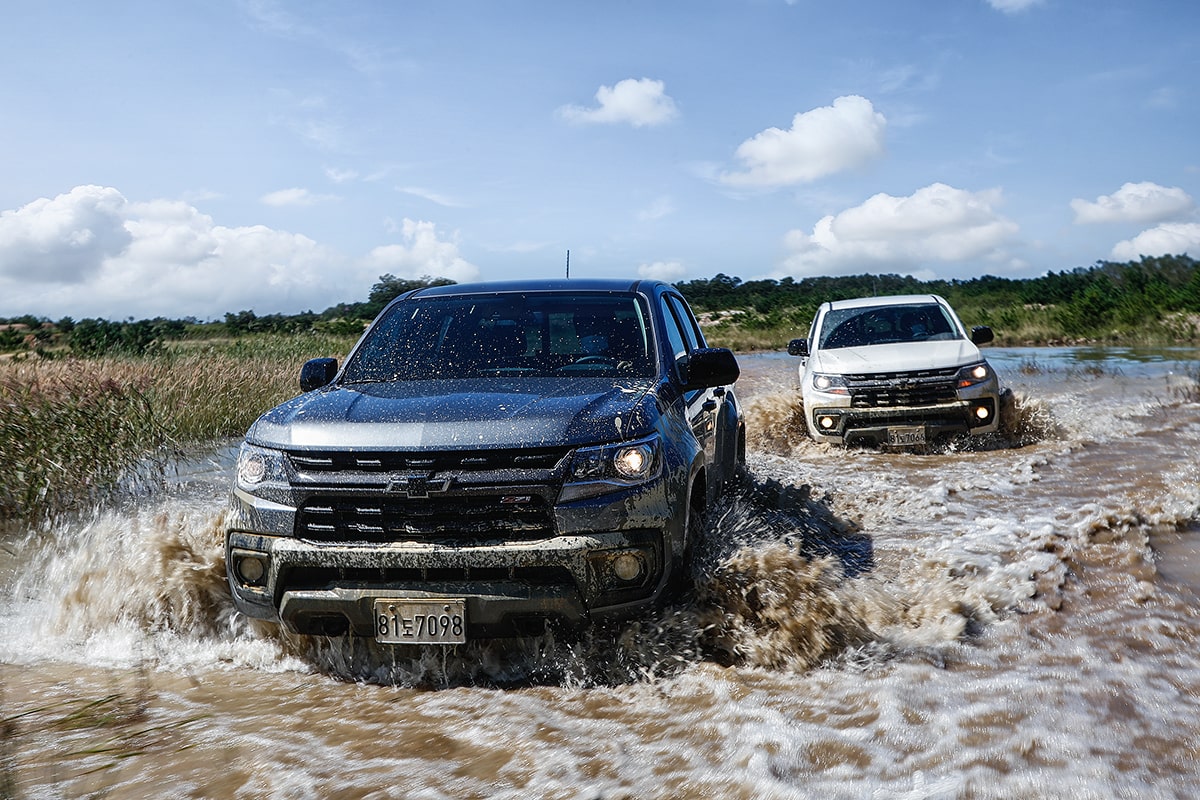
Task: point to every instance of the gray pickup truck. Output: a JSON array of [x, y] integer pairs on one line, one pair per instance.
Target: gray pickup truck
[[489, 460]]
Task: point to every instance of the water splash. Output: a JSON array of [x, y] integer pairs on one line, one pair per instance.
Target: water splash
[[781, 582], [775, 424]]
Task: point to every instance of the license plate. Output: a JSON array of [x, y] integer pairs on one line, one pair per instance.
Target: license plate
[[904, 437], [411, 621]]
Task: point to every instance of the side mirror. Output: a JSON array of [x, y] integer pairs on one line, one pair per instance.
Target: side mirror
[[709, 367], [798, 347], [317, 372], [982, 334]]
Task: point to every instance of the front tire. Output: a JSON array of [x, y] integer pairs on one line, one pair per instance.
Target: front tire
[[682, 580]]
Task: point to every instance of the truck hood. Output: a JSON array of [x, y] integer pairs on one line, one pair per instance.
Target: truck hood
[[899, 357], [459, 415]]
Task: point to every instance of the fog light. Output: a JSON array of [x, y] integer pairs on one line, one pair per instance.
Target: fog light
[[627, 566], [251, 569], [982, 412], [827, 422]]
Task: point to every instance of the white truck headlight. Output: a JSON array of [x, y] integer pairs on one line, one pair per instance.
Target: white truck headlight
[[973, 374], [830, 384]]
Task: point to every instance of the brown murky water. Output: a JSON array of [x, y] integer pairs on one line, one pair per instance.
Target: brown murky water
[[1015, 621]]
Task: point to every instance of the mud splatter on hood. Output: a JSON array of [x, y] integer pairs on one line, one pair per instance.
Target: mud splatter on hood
[[453, 414]]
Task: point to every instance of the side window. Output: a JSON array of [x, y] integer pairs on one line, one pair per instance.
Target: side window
[[675, 335], [691, 329]]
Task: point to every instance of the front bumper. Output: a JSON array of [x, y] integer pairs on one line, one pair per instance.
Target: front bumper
[[510, 588], [833, 419]]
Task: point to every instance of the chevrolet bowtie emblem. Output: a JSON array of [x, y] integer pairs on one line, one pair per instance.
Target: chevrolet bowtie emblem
[[417, 485]]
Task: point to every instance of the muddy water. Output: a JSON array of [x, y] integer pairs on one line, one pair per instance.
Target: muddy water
[[1018, 620]]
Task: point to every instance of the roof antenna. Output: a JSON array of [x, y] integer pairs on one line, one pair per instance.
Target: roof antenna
[[568, 265]]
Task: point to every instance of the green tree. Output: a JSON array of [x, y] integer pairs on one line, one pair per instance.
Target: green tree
[[389, 287], [98, 337]]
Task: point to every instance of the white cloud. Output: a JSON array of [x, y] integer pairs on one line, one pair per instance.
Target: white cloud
[[92, 253], [421, 255], [1013, 6], [271, 17], [820, 142], [662, 271], [340, 175], [168, 234], [938, 223], [433, 197], [1134, 202], [636, 102], [293, 197], [1170, 238], [64, 239], [661, 207]]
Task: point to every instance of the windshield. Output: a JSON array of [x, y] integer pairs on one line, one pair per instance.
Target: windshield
[[856, 327], [535, 335]]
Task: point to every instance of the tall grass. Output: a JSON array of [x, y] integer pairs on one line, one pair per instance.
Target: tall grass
[[1189, 390], [70, 429], [216, 389]]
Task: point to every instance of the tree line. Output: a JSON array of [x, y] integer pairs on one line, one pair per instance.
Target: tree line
[[1105, 301], [1087, 302], [97, 337]]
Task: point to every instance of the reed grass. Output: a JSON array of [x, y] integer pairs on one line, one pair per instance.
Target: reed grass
[[71, 429], [1189, 390]]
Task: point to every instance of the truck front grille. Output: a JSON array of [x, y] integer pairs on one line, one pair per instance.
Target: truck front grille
[[903, 389], [459, 519], [340, 461]]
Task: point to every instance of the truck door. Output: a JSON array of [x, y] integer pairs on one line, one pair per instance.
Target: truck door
[[703, 406]]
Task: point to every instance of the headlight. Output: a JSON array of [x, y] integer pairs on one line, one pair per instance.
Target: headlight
[[829, 384], [259, 466], [634, 462], [974, 374], [594, 471]]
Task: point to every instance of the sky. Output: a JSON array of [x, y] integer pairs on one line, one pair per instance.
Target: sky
[[201, 157]]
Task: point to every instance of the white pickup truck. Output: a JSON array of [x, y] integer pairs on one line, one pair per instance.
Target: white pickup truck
[[897, 371]]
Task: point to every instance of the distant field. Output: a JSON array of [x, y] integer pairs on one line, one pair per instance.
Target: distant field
[[747, 331], [70, 428]]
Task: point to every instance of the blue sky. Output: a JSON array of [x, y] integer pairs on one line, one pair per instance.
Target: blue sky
[[191, 158]]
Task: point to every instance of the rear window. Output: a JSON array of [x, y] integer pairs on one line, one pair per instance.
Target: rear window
[[516, 335], [856, 327]]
